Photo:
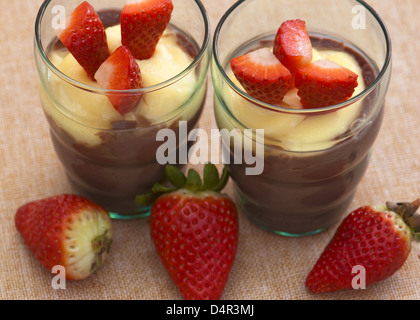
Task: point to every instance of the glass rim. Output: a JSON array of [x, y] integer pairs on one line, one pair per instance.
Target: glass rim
[[203, 49], [361, 95]]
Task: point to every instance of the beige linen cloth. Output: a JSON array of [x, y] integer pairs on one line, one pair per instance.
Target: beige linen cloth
[[267, 266]]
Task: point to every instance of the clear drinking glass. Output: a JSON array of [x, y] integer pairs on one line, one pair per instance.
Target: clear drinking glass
[[313, 159], [113, 159]]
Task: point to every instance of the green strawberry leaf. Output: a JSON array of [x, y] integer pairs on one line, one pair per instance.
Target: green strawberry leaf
[[223, 180], [159, 188], [145, 199], [175, 176], [193, 182], [210, 177]]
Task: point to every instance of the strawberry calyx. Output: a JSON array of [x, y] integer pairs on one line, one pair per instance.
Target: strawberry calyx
[[192, 182], [408, 212], [100, 246]]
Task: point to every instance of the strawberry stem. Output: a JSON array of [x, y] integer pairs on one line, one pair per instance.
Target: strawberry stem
[[223, 181], [210, 177], [408, 211], [175, 176]]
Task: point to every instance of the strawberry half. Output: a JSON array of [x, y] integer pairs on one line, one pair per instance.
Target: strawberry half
[[143, 23], [66, 230], [121, 72], [262, 75], [292, 45], [85, 38], [195, 231], [324, 83], [377, 240]]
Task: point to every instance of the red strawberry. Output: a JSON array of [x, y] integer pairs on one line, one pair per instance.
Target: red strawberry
[[262, 75], [377, 240], [292, 45], [143, 23], [121, 72], [85, 38], [195, 231], [66, 230], [324, 83]]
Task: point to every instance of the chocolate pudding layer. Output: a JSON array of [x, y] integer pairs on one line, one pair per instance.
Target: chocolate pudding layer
[[303, 192], [123, 166], [306, 194]]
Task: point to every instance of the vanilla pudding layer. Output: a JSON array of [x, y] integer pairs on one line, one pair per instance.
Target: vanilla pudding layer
[[83, 114], [292, 131]]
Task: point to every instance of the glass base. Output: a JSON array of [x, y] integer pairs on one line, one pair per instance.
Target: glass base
[[287, 234], [142, 213], [242, 201], [118, 209]]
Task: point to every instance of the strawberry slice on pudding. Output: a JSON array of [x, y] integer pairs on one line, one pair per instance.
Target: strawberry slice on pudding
[[142, 24], [324, 83], [85, 38], [121, 72], [262, 75], [292, 45]]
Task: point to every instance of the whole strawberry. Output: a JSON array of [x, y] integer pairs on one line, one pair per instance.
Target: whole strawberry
[[66, 230], [379, 240], [195, 231]]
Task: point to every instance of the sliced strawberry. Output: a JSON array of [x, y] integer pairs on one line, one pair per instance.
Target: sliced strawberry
[[85, 38], [66, 230], [121, 72], [324, 83], [262, 75], [142, 25], [292, 45]]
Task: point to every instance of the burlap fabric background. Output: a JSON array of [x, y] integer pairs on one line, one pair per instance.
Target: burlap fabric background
[[267, 266]]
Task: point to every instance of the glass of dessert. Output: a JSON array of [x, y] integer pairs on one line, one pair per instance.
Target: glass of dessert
[[112, 74], [300, 86]]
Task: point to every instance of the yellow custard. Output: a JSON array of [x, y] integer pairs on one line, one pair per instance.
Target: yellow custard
[[296, 132]]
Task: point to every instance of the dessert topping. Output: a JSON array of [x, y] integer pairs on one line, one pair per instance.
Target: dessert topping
[[85, 38], [143, 23], [324, 83], [121, 72], [319, 83], [262, 75], [292, 45]]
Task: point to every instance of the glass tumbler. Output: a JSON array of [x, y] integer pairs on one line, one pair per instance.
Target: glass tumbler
[[108, 157], [307, 163]]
